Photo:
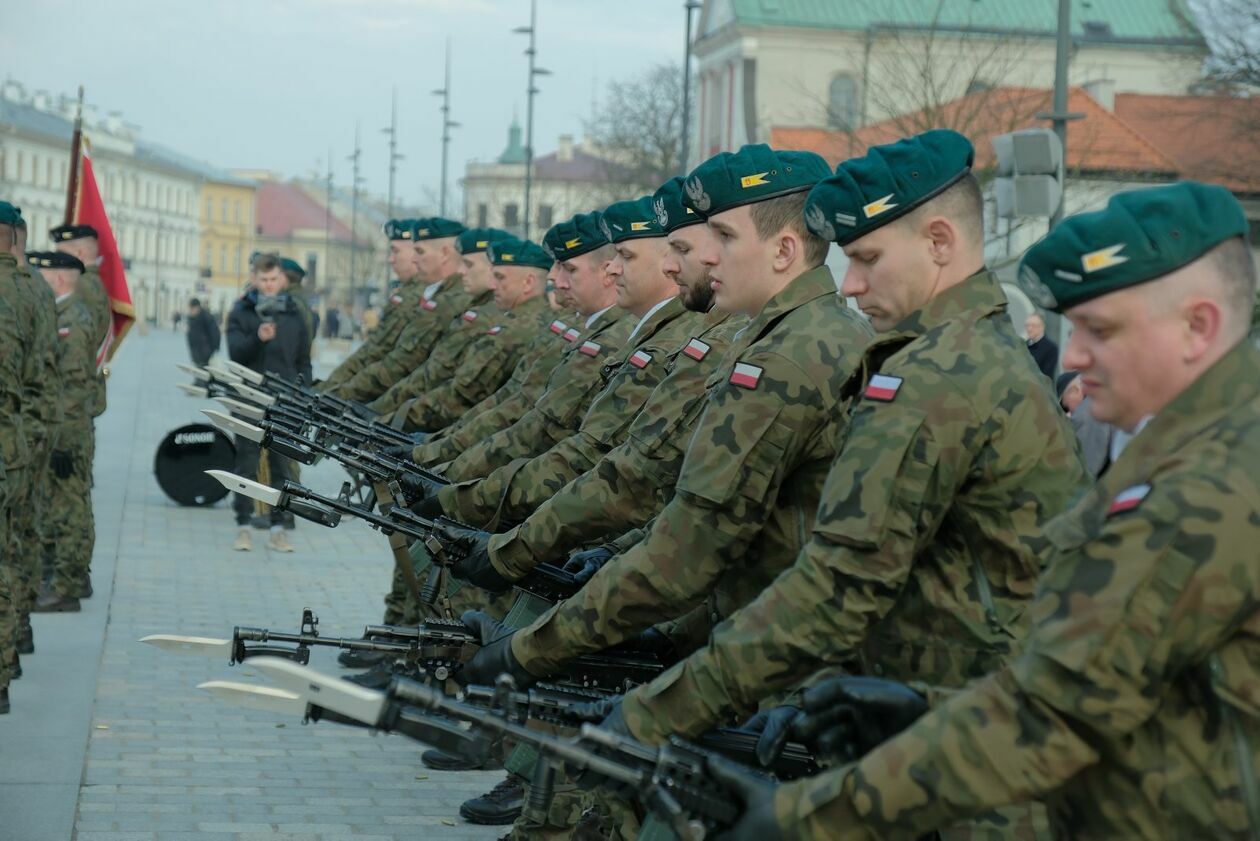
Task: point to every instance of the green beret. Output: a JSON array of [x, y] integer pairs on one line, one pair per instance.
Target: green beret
[[634, 219], [667, 204], [289, 265], [886, 183], [753, 174], [575, 237], [66, 233], [435, 227], [518, 252], [9, 214], [54, 260], [399, 228], [1140, 235], [475, 240]]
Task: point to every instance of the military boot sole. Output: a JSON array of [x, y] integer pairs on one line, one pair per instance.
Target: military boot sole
[[496, 810], [438, 761]]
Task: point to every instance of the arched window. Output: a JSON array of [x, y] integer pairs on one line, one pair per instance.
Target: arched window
[[842, 103]]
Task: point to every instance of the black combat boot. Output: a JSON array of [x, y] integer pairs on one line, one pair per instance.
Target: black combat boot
[[4, 701], [439, 761], [501, 805], [26, 639]]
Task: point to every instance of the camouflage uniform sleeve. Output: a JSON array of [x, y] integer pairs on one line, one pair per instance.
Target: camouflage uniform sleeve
[[1118, 620], [77, 363], [374, 346], [473, 428], [11, 378], [483, 369], [408, 352], [741, 452]]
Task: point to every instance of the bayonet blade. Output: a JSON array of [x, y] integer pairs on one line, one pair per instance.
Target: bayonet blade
[[265, 698], [234, 426], [245, 409], [192, 646], [245, 373], [327, 691], [246, 487], [193, 371], [193, 390], [259, 397]]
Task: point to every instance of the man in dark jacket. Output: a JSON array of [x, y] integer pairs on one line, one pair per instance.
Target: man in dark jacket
[[1043, 349], [203, 334], [267, 333]]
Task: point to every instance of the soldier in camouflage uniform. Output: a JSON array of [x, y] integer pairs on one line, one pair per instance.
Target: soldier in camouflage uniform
[[400, 309], [12, 441], [294, 274], [444, 296], [70, 503], [1134, 707]]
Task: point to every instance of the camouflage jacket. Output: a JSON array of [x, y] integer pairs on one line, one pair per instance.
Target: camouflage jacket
[[1134, 709], [15, 365], [929, 535], [483, 366], [431, 321], [399, 310], [91, 291], [42, 397], [513, 399], [510, 493], [76, 363], [634, 480], [557, 410], [747, 492], [298, 294]]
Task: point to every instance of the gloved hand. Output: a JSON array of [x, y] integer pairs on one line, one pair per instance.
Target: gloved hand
[[495, 656], [361, 410], [773, 726], [418, 438], [62, 463], [607, 712], [847, 717], [430, 507], [583, 565], [399, 451], [652, 641], [757, 821], [475, 566], [417, 488]]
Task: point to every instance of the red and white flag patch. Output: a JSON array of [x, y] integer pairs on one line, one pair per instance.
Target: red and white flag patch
[[640, 358], [469, 315], [495, 330], [63, 331], [571, 334], [745, 376], [395, 299], [428, 305], [696, 349], [590, 348], [558, 327], [1128, 499], [882, 387]]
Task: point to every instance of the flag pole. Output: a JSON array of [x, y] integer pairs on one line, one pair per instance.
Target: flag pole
[[76, 140]]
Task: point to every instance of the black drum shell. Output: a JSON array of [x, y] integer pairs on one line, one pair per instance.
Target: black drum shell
[[182, 459]]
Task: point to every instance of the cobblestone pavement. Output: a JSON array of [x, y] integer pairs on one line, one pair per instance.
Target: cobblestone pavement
[[110, 740]]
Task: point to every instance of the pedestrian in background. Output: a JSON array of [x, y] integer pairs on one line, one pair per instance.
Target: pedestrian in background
[[203, 334], [1043, 349]]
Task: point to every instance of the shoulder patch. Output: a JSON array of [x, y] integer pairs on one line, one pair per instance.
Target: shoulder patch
[[495, 330], [558, 327], [882, 388], [395, 299], [590, 348], [640, 358], [428, 304], [1128, 499], [63, 331], [696, 349], [469, 315], [745, 376], [571, 334]]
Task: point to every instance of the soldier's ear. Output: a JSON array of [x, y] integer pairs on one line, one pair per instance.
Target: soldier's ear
[[943, 239], [788, 250]]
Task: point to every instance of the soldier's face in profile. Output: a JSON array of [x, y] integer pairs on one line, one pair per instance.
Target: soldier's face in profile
[[739, 262], [638, 267], [682, 265], [476, 273], [560, 296], [429, 258], [585, 280], [509, 285], [891, 274], [402, 259]]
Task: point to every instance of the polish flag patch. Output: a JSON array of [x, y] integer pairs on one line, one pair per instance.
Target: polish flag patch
[[883, 388], [63, 331], [640, 359], [495, 330], [590, 348], [697, 349], [1128, 499], [571, 334], [558, 327], [395, 299], [745, 376], [469, 315], [428, 305]]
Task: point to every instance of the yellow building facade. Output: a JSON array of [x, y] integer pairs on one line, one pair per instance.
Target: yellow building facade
[[228, 212]]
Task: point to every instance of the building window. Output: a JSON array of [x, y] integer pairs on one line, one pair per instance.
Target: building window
[[21, 166], [842, 103], [209, 210], [511, 215], [545, 214], [223, 211], [209, 262], [223, 259], [236, 212], [483, 215]]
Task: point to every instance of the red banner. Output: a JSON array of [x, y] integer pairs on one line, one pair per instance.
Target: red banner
[[91, 211]]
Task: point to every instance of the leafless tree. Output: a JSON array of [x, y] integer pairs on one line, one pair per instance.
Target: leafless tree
[[638, 129]]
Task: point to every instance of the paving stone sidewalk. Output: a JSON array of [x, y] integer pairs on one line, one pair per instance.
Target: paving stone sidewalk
[[110, 740]]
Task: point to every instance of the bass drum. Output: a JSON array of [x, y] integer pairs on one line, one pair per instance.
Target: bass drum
[[182, 459]]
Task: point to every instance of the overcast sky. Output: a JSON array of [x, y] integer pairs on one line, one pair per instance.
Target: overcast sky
[[274, 84]]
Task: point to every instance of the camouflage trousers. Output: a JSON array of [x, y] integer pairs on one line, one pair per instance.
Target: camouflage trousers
[[71, 528], [8, 608], [31, 525]]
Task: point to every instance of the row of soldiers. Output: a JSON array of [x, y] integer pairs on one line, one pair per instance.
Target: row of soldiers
[[875, 535], [55, 321]]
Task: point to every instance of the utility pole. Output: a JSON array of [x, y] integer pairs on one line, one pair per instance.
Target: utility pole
[[354, 213], [684, 153], [447, 125], [394, 157], [1060, 116], [530, 90], [326, 269]]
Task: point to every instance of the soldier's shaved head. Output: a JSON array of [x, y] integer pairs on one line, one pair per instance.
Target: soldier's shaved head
[[8, 236]]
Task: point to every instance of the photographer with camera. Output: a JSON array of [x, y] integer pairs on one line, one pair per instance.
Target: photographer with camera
[[267, 333]]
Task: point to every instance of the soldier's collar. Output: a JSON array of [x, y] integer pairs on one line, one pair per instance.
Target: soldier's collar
[[805, 287], [975, 298]]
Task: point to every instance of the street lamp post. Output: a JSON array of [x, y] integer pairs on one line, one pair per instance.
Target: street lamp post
[[447, 125], [688, 7], [530, 90], [394, 157]]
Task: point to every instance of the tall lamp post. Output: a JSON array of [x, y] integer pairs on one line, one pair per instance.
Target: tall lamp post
[[447, 125], [394, 156], [688, 7], [530, 90]]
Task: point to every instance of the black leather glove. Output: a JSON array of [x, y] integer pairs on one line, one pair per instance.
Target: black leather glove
[[399, 451], [418, 488], [772, 726], [495, 656], [361, 410], [475, 566], [429, 507], [418, 438], [757, 821], [62, 463], [594, 712], [652, 641], [583, 565], [847, 717]]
